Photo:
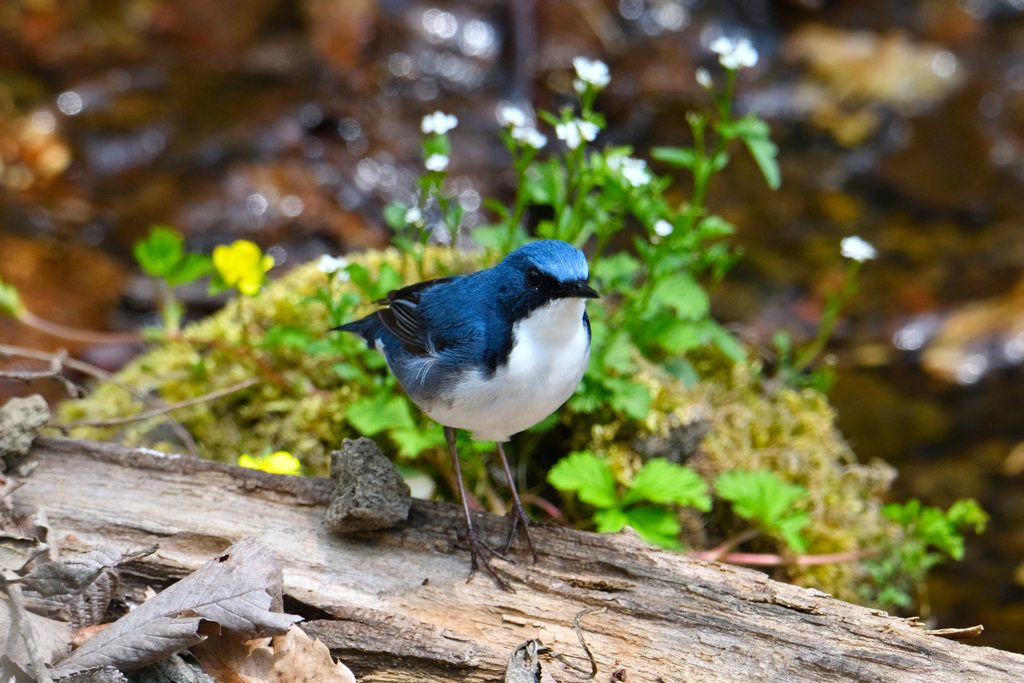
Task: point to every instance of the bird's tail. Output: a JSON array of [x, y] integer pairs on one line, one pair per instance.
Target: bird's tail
[[368, 328]]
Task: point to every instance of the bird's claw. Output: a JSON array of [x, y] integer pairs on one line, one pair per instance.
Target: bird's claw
[[478, 554], [519, 515]]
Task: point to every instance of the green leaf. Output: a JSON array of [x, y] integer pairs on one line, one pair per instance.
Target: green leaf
[[394, 214], [891, 595], [496, 207], [388, 279], [682, 369], [374, 414], [618, 355], [932, 526], [190, 269], [715, 226], [768, 501], [747, 127], [588, 475], [655, 524], [610, 521], [10, 300], [967, 512], [677, 336], [286, 336], [347, 371], [725, 341], [412, 441], [628, 397], [765, 152], [546, 424], [661, 481], [676, 156], [616, 272], [683, 293], [161, 251], [759, 494], [587, 398], [790, 526], [360, 277]]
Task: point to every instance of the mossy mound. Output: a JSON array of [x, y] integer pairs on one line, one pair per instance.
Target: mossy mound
[[301, 406]]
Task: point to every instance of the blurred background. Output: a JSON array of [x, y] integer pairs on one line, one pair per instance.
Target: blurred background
[[293, 122]]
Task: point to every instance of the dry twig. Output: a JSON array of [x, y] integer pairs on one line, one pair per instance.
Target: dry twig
[[75, 334], [103, 376], [56, 372], [112, 422]]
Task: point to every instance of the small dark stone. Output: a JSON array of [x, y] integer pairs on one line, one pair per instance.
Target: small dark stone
[[368, 491], [20, 421]]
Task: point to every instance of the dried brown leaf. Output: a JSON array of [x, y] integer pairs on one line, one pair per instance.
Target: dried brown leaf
[[297, 659], [77, 588], [235, 590], [53, 638], [231, 659], [17, 551]]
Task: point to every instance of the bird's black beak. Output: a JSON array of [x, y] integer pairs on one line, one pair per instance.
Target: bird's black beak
[[579, 290]]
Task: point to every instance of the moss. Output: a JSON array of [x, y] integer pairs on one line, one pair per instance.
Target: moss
[[301, 405]]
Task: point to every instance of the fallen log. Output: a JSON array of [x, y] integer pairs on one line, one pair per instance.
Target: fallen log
[[395, 606]]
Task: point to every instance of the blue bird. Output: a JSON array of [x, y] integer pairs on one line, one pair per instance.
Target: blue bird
[[493, 352]]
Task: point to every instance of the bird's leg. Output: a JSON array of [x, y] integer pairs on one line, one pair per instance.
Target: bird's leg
[[477, 548], [518, 513]]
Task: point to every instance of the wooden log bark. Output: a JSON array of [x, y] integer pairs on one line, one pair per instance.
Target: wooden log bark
[[395, 606]]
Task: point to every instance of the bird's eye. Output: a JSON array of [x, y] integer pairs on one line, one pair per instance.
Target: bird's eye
[[533, 277]]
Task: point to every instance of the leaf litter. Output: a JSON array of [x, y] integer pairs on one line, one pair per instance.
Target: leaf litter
[[228, 611]]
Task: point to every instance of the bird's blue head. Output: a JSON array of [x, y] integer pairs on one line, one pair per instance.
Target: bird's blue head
[[554, 259], [540, 272]]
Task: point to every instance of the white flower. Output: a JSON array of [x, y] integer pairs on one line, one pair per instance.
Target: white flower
[[511, 115], [593, 71], [734, 54], [579, 85], [568, 132], [438, 122], [328, 264], [704, 78], [529, 136], [413, 215], [663, 228], [635, 171], [436, 162], [576, 131], [857, 249]]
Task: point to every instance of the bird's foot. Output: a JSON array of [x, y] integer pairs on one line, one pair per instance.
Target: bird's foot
[[519, 516], [479, 554]]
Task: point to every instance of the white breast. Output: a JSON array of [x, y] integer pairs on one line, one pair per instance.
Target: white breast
[[550, 352]]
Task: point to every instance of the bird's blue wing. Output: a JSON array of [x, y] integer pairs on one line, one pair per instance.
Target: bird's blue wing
[[403, 318]]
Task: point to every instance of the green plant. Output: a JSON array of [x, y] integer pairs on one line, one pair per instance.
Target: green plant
[[644, 504], [929, 536], [10, 300], [652, 327], [792, 365], [767, 501], [162, 254]]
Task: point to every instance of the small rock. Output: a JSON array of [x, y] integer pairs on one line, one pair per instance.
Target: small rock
[[368, 492], [20, 421]]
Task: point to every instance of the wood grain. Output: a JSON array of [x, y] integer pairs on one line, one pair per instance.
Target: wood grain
[[395, 605]]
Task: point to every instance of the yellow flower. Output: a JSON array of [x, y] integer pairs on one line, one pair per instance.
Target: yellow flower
[[241, 265], [281, 462]]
